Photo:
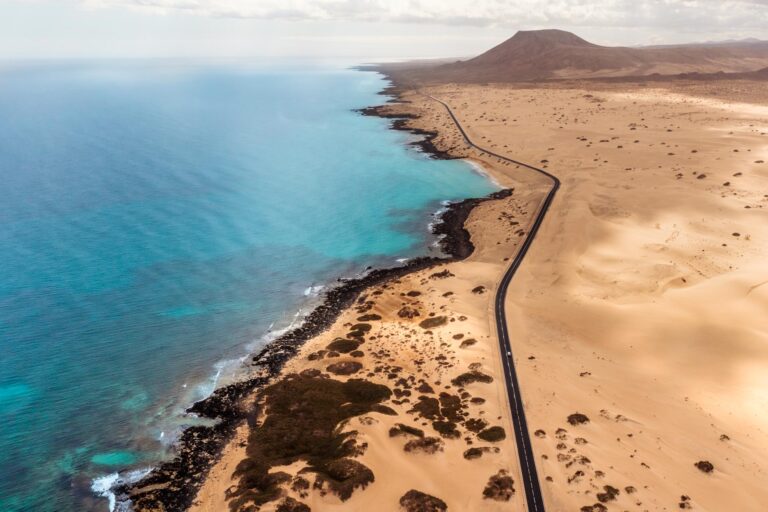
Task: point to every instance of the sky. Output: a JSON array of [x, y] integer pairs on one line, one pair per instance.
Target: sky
[[369, 30]]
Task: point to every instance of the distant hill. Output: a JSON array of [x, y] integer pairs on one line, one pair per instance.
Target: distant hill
[[546, 54], [760, 74]]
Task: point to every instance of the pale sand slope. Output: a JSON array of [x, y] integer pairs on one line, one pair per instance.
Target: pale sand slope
[[644, 299], [467, 341]]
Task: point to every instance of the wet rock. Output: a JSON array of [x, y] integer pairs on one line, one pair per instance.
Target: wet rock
[[705, 466]]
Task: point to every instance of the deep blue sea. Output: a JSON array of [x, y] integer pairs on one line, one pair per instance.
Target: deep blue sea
[[157, 219]]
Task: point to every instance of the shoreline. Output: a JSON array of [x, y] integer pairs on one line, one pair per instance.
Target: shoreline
[[175, 483], [606, 317]]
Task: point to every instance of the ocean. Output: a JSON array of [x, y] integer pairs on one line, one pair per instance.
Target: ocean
[[158, 221]]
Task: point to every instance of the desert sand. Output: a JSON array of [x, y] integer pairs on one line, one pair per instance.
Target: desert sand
[[642, 302], [641, 306]]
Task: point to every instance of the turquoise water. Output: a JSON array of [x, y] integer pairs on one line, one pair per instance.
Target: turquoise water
[[155, 221]]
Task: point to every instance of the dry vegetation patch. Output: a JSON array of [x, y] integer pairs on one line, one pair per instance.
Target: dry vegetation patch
[[302, 421]]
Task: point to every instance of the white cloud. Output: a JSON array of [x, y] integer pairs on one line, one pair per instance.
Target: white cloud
[[364, 29], [685, 14]]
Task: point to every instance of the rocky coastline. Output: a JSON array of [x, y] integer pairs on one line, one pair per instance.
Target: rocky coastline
[[174, 484]]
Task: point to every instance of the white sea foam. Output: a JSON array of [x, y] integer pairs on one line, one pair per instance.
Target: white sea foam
[[204, 389], [482, 171], [225, 371], [313, 291], [438, 214], [103, 486]]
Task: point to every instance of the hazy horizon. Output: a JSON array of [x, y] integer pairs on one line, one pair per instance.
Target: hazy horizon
[[371, 30]]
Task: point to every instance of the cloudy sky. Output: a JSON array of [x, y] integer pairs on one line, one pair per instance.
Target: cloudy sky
[[355, 29]]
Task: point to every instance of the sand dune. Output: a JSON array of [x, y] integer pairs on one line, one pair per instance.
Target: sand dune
[[546, 54], [641, 304]]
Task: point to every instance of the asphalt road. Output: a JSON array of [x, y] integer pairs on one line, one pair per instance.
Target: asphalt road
[[533, 495]]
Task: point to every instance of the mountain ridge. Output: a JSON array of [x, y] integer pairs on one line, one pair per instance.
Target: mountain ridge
[[552, 53]]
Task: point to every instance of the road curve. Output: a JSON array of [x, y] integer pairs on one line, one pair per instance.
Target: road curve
[[533, 495]]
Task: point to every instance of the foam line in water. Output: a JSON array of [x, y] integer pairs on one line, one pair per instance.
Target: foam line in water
[[313, 291], [103, 485], [482, 171]]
